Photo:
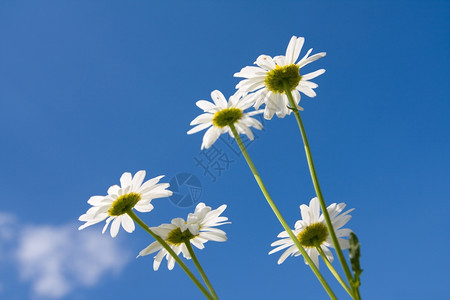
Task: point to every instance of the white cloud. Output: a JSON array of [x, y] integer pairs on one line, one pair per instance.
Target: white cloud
[[58, 259], [7, 222], [7, 230]]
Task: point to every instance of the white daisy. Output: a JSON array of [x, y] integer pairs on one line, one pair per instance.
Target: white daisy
[[131, 193], [198, 229], [220, 114], [273, 75], [312, 230]]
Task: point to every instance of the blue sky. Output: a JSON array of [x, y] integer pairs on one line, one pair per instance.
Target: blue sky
[[91, 89]]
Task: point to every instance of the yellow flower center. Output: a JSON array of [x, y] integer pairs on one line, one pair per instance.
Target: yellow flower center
[[313, 235], [123, 204], [227, 116], [177, 236], [282, 78]]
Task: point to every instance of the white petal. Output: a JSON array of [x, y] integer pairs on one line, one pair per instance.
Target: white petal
[[281, 247], [345, 244], [125, 179], [95, 200], [206, 106], [248, 131], [185, 251], [248, 72], [304, 57], [266, 62], [250, 85], [314, 210], [327, 252], [280, 60], [115, 225], [293, 49], [107, 223], [210, 137], [341, 220], [170, 263], [149, 184], [153, 247], [219, 99], [212, 236], [310, 59], [344, 232], [283, 234], [307, 91], [144, 208], [196, 242], [276, 104], [199, 128], [307, 83], [113, 190], [203, 118], [314, 256], [127, 223], [286, 254], [137, 180], [158, 259], [304, 211], [178, 222], [313, 74], [100, 211]]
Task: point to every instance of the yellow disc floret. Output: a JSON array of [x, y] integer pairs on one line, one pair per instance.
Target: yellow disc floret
[[177, 236], [227, 116], [313, 235], [280, 78], [123, 204]]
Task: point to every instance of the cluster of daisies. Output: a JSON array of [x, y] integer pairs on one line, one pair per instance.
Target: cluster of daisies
[[269, 83], [134, 193]]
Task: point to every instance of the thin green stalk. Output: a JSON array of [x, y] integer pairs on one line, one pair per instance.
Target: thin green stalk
[[278, 214], [356, 291], [171, 252], [334, 272], [200, 270], [315, 180]]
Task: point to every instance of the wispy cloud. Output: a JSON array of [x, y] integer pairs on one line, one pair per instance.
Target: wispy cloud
[[7, 234], [59, 259]]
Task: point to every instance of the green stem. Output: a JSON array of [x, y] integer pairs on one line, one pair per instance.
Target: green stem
[[334, 272], [171, 252], [356, 291], [278, 214], [200, 270], [315, 180]]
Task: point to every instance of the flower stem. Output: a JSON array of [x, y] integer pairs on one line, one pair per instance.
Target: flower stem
[[315, 180], [278, 214], [171, 252], [356, 291], [334, 272], [200, 270]]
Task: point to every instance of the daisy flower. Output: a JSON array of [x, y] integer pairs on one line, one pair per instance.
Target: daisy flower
[[273, 76], [221, 114], [312, 232], [132, 193], [197, 229]]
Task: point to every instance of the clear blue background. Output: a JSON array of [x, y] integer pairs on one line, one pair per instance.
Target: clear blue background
[[90, 89]]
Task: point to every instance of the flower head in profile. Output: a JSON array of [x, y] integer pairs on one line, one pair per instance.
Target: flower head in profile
[[197, 230], [218, 117], [133, 192], [312, 232], [273, 76]]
